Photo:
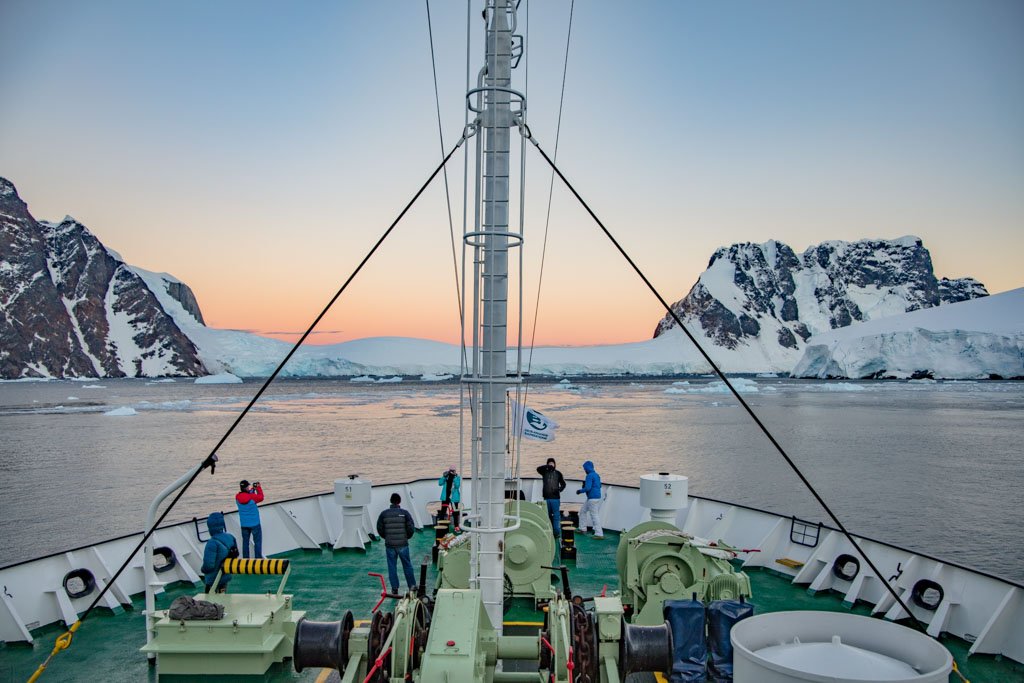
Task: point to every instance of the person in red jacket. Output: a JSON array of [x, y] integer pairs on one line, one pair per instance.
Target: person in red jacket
[[249, 516]]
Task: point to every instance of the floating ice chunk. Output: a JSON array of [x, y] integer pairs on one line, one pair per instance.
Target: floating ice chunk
[[766, 375], [362, 378], [741, 384], [94, 386], [222, 378], [389, 380], [684, 383], [837, 386], [165, 380], [72, 398], [565, 381], [118, 412], [435, 378]]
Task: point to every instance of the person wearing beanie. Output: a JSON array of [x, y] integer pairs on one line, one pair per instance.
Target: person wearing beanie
[[553, 485], [248, 496], [396, 527]]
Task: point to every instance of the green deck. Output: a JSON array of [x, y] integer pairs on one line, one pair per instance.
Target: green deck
[[327, 583]]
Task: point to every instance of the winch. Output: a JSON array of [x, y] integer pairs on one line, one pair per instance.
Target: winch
[[528, 552], [451, 638], [658, 562]]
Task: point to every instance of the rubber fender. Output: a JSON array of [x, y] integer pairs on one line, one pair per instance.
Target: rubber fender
[[686, 619], [722, 616]]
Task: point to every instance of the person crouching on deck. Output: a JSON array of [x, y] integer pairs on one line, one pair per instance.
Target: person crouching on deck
[[220, 546], [249, 516]]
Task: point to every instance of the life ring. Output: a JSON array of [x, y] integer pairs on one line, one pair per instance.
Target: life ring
[[87, 579], [840, 565], [917, 594], [170, 559]]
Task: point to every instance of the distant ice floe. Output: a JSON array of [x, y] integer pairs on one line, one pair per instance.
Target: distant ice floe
[[436, 378], [684, 383], [389, 380], [72, 398], [741, 384], [363, 378], [222, 378], [122, 411], [165, 380], [834, 386], [767, 375], [94, 386]]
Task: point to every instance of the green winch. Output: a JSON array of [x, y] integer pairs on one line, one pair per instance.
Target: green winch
[[451, 638], [529, 552], [658, 562]]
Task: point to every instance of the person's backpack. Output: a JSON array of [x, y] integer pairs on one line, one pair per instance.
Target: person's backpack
[[232, 551]]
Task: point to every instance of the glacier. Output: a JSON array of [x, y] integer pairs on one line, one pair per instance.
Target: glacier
[[976, 339], [971, 339]]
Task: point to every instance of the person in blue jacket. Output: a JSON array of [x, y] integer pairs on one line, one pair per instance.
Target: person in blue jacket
[[451, 493], [219, 547], [590, 513]]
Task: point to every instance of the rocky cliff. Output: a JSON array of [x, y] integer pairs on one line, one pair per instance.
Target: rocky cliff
[[768, 299], [69, 307]]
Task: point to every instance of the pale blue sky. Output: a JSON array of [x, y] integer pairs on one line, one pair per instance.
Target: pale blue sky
[[256, 150]]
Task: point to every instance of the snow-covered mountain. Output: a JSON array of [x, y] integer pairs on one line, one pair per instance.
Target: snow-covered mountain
[[979, 339], [763, 301], [70, 307]]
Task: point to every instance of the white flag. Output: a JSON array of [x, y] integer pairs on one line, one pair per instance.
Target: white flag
[[531, 424]]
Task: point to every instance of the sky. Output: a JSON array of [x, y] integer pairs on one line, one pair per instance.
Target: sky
[[257, 150]]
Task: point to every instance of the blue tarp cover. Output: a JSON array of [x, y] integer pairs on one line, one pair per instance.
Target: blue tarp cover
[[722, 615], [690, 649]]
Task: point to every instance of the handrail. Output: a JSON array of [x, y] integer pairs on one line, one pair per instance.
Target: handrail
[[151, 543]]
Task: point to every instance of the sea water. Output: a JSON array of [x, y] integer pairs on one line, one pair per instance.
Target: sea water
[[932, 466]]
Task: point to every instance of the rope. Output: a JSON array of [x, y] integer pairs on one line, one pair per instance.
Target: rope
[[725, 380], [547, 222], [64, 640]]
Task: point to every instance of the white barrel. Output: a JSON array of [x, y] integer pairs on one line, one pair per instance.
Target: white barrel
[[352, 491], [787, 647], [664, 495]]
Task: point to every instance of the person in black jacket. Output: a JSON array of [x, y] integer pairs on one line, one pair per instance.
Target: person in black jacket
[[395, 526], [554, 484]]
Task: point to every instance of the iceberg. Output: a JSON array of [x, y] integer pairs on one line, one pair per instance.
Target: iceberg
[[220, 378], [118, 412]]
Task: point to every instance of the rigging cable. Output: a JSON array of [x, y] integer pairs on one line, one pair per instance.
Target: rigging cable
[[547, 220], [764, 429], [63, 641], [440, 135]]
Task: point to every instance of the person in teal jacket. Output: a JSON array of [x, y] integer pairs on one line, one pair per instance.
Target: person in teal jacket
[[590, 513], [220, 546], [451, 493]]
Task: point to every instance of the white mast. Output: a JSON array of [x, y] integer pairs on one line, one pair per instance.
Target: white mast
[[491, 240]]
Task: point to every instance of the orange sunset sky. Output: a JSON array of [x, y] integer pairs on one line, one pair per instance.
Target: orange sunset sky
[[256, 151]]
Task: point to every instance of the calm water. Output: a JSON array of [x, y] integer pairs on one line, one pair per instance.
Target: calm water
[[934, 467]]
